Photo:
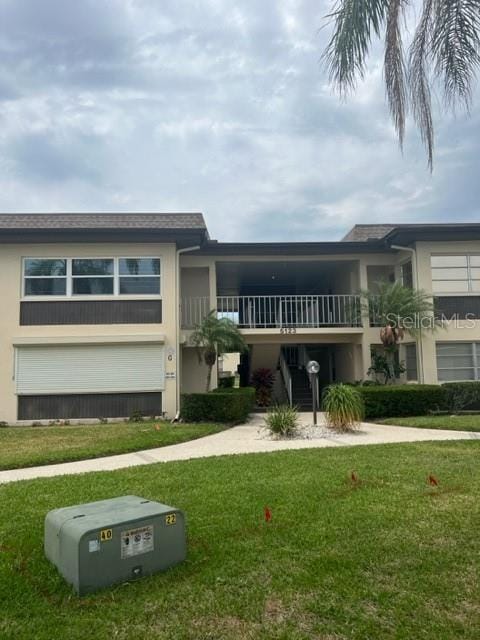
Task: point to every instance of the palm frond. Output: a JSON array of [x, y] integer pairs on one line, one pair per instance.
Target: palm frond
[[355, 21], [394, 67], [456, 47], [393, 305], [418, 79]]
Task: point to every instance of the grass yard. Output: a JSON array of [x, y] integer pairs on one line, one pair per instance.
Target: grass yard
[[387, 557], [32, 446], [454, 423]]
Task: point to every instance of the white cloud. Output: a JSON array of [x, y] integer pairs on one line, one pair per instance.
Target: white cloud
[[136, 105]]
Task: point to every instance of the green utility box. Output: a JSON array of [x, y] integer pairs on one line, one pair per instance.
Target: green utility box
[[102, 543]]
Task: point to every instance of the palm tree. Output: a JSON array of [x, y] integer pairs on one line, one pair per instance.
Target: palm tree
[[397, 309], [445, 46], [214, 337]]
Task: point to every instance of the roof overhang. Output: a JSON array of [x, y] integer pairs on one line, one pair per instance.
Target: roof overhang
[[408, 235], [280, 249], [180, 237]]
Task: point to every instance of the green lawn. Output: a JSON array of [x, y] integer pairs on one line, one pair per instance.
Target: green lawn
[[389, 558], [31, 446], [455, 423]]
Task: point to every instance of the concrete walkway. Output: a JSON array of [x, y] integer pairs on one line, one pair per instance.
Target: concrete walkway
[[248, 438]]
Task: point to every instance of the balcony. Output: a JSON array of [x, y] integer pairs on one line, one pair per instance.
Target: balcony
[[277, 312]]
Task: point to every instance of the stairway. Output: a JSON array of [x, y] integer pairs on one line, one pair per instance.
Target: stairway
[[301, 391]]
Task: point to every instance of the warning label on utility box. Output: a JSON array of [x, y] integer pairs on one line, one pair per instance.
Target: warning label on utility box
[[136, 541]]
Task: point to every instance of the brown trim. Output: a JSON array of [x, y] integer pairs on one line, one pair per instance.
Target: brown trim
[[104, 405], [180, 237], [280, 249], [62, 312]]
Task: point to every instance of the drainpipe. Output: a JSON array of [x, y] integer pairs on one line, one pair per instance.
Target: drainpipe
[[177, 324], [413, 253]]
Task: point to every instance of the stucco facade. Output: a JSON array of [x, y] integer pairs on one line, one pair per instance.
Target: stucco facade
[[290, 300]]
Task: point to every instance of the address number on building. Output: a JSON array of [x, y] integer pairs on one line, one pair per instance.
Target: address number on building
[[288, 330], [171, 518]]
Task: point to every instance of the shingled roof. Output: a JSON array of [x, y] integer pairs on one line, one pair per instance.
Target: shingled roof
[[366, 232], [114, 221]]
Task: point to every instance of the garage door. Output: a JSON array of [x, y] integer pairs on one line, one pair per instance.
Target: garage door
[[89, 369]]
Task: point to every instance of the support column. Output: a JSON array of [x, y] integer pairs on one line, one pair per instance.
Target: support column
[[366, 356], [212, 288]]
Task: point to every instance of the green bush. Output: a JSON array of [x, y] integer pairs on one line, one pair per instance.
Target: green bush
[[246, 390], [343, 406], [402, 400], [462, 395], [222, 405], [282, 421], [226, 383]]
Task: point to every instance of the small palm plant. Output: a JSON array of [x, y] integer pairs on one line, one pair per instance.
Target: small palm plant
[[397, 309], [214, 337], [282, 421], [343, 406]]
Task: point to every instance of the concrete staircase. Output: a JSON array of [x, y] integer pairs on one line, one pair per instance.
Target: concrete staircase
[[301, 391]]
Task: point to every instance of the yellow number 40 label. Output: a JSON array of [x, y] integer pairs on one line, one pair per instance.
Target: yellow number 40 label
[[171, 518], [106, 534]]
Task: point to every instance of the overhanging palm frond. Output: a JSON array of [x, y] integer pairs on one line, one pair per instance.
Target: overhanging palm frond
[[394, 67], [447, 39], [355, 22], [420, 94], [455, 47]]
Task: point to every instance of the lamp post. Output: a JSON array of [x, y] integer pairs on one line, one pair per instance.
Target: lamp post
[[313, 368]]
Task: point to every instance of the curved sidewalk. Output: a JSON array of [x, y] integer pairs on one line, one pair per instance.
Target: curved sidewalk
[[245, 438]]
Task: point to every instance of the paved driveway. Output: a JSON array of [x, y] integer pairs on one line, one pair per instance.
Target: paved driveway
[[247, 438]]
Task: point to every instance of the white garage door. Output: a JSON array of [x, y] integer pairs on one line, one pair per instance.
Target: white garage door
[[89, 369]]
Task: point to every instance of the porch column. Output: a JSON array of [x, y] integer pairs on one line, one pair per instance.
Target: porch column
[[212, 288], [366, 355]]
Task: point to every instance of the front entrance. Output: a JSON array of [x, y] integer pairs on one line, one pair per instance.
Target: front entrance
[[296, 358]]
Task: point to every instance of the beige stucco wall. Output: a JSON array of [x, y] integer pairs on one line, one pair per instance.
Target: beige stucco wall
[[463, 331], [193, 372], [10, 330], [197, 278]]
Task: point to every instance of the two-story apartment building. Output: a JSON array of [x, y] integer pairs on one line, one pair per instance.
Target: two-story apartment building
[[98, 309]]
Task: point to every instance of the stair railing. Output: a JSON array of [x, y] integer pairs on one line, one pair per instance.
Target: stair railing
[[287, 378], [303, 359]]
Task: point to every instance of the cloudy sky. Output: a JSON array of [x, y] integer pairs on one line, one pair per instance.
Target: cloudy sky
[[215, 106]]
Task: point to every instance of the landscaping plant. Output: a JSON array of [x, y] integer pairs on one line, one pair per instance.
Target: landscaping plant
[[214, 337], [262, 381], [397, 309], [343, 406], [282, 421]]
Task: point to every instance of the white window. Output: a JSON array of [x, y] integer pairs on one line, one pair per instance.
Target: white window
[[93, 276], [45, 277], [139, 276], [411, 369], [76, 277], [458, 361], [456, 273]]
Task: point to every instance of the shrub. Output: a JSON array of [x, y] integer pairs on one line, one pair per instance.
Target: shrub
[[262, 381], [227, 382], [222, 405], [282, 421], [462, 395], [343, 406], [136, 416], [402, 400]]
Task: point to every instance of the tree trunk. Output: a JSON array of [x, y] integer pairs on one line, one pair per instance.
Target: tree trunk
[[390, 357], [210, 358], [209, 376]]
